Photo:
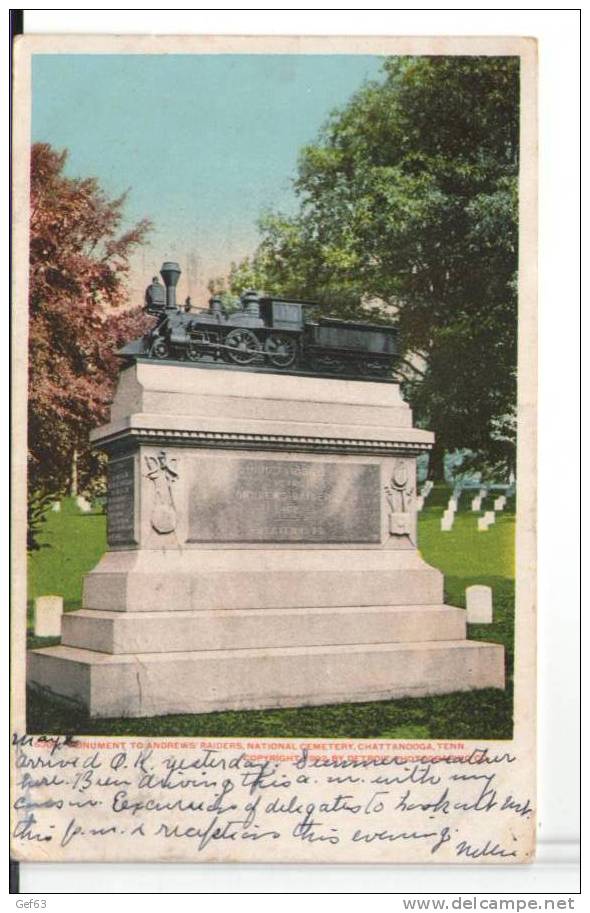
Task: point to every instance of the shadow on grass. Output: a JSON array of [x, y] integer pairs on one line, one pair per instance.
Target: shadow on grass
[[485, 714]]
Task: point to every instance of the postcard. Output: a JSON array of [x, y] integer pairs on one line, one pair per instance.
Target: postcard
[[274, 315]]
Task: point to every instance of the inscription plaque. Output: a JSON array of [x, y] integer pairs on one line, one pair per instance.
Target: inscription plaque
[[121, 502], [284, 501]]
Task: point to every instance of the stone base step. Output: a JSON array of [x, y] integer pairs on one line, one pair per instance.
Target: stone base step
[[150, 684], [141, 632], [202, 580]]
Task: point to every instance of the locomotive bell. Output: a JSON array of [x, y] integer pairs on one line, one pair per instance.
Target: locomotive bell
[[170, 273]]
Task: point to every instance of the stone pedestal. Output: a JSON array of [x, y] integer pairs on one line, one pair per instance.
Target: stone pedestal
[[262, 553]]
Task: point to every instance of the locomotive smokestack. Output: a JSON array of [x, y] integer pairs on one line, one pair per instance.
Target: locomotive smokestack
[[170, 273]]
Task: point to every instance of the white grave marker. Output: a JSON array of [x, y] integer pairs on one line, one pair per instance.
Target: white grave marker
[[56, 507], [482, 524], [446, 524], [48, 612], [479, 605], [83, 504], [476, 504], [419, 502], [490, 517]]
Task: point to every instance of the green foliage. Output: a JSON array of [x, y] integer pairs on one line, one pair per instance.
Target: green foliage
[[37, 507], [408, 213], [464, 555]]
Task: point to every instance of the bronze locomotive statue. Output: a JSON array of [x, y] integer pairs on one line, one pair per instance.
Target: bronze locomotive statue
[[282, 334]]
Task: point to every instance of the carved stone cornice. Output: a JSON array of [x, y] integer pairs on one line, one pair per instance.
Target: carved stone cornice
[[130, 437]]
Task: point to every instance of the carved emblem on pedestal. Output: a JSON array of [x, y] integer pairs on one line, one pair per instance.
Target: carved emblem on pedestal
[[399, 495], [163, 473]]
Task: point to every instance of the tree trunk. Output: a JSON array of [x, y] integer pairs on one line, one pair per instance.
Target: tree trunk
[[436, 464], [74, 475]]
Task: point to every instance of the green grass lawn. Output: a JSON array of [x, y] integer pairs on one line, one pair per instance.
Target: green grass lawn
[[74, 542], [71, 545]]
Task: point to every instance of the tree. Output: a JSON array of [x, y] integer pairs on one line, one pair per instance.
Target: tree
[[409, 199], [79, 261]]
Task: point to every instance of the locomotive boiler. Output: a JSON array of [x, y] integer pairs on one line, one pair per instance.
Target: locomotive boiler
[[281, 334]]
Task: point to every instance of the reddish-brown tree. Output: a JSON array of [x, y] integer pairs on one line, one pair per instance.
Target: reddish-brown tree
[[79, 260]]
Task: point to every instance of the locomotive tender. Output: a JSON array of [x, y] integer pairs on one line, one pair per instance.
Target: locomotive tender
[[278, 333]]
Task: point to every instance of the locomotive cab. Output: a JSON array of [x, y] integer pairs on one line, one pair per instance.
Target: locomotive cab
[[284, 319], [283, 313]]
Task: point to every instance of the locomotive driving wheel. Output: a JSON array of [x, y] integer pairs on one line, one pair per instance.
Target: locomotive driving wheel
[[242, 346], [160, 349], [281, 350], [192, 351]]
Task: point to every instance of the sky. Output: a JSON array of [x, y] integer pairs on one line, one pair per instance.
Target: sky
[[203, 143]]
